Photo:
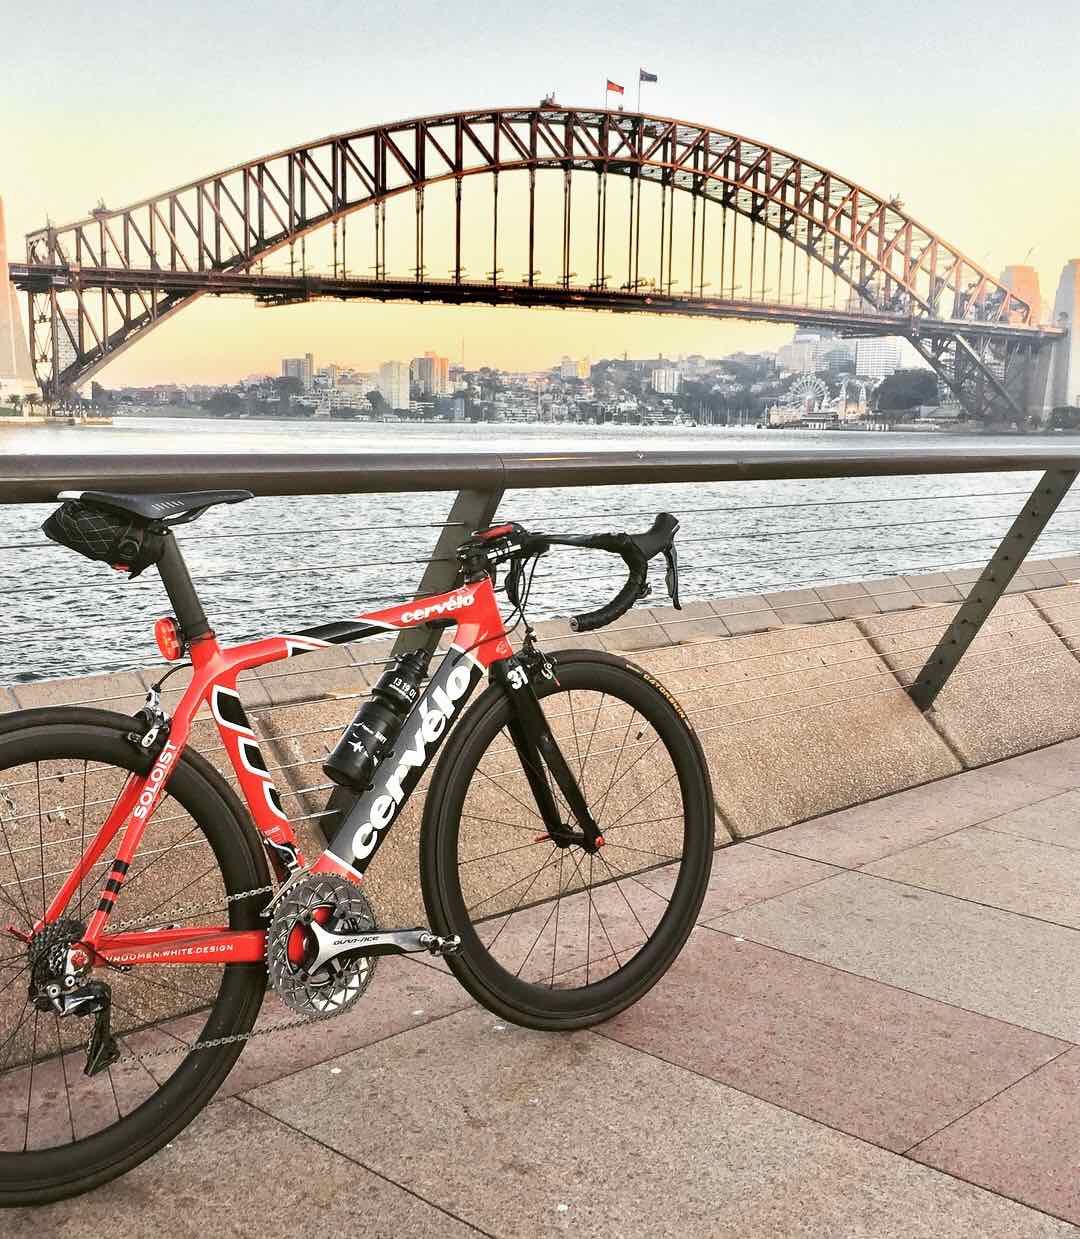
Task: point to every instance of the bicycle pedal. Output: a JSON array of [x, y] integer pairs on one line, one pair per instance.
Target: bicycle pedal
[[443, 946]]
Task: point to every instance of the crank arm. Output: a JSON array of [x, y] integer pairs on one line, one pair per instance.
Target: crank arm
[[378, 942]]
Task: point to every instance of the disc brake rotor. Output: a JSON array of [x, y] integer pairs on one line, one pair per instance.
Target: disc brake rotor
[[338, 906]]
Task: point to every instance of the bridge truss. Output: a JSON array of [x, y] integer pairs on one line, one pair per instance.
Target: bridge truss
[[761, 234]]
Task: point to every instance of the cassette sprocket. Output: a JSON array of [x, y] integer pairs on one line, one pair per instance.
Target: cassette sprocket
[[337, 906]]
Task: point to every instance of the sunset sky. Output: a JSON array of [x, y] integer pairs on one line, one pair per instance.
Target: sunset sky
[[969, 111]]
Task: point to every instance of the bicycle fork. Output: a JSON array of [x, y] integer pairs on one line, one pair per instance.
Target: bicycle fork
[[539, 753]]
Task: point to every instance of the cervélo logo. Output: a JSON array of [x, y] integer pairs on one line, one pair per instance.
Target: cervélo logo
[[454, 603], [435, 712]]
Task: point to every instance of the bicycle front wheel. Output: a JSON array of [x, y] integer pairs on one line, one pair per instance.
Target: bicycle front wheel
[[555, 937]]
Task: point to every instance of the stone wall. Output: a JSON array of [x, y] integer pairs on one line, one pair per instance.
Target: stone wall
[[798, 698]]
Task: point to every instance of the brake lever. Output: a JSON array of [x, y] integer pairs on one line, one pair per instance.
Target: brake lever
[[671, 576]]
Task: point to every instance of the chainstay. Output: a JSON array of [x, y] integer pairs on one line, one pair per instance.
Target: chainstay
[[214, 1042]]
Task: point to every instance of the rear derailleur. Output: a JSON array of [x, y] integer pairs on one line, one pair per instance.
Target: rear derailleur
[[59, 983]]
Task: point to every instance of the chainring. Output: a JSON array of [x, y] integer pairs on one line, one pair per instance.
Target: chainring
[[339, 906]]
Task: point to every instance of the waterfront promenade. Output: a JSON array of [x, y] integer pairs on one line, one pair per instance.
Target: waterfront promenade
[[873, 1032]]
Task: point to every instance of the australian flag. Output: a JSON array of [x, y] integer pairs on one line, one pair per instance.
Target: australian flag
[[645, 76]]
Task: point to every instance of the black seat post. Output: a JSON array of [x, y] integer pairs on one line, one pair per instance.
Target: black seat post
[[177, 580]]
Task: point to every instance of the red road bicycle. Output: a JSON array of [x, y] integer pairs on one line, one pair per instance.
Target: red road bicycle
[[565, 845]]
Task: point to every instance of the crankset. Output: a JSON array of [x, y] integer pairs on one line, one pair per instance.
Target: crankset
[[322, 944]]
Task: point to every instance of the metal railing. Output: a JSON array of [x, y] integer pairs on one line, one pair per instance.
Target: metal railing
[[771, 540]]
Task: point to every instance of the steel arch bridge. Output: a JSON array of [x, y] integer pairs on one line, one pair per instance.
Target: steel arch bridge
[[798, 242]]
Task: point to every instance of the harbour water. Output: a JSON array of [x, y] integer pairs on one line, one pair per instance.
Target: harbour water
[[276, 564]]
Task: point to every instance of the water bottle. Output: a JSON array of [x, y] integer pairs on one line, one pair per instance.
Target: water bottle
[[371, 734]]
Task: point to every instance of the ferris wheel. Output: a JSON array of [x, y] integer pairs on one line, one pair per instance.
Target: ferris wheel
[[808, 392]]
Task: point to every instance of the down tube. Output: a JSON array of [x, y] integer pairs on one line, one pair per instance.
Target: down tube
[[422, 734]]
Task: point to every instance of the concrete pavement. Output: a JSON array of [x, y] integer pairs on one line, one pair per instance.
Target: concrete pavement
[[874, 1031]]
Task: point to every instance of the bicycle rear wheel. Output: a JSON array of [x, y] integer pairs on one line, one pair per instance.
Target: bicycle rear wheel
[[62, 1132], [554, 937]]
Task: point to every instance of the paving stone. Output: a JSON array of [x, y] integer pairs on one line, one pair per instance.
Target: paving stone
[[1056, 820], [502, 1126], [798, 722], [1024, 1143], [636, 630], [1021, 875], [743, 874], [1044, 576], [799, 606], [990, 961], [234, 1173], [891, 594], [340, 669], [402, 995], [696, 621], [848, 599], [878, 1062], [1057, 765], [933, 587], [1016, 688], [1060, 608], [849, 608], [746, 613], [866, 832], [119, 691]]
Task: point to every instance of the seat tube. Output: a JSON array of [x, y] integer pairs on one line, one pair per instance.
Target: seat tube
[[185, 601]]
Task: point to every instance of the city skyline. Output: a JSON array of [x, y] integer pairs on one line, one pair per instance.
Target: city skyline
[[943, 153]]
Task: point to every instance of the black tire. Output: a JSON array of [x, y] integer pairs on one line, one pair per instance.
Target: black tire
[[570, 997], [116, 1119]]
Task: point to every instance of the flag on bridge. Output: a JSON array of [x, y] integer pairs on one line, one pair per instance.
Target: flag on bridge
[[645, 76], [614, 87]]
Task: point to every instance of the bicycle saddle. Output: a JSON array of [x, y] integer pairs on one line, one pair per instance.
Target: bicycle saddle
[[175, 507]]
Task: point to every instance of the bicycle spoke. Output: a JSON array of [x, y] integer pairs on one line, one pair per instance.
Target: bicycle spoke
[[63, 1068], [41, 842], [558, 904], [491, 855], [510, 794], [493, 822], [637, 804], [618, 887], [24, 912], [30, 1083], [508, 917], [134, 877], [82, 837]]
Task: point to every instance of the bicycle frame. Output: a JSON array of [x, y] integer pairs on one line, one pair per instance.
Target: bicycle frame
[[479, 643]]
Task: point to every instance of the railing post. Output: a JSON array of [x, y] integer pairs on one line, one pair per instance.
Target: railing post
[[471, 509], [985, 593]]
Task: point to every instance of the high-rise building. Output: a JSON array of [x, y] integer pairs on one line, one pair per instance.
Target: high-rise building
[[877, 357], [394, 384], [665, 381], [65, 349], [432, 374], [302, 368], [16, 372], [807, 351], [568, 368]]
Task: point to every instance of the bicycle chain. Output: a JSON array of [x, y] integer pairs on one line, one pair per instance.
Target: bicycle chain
[[214, 1042]]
